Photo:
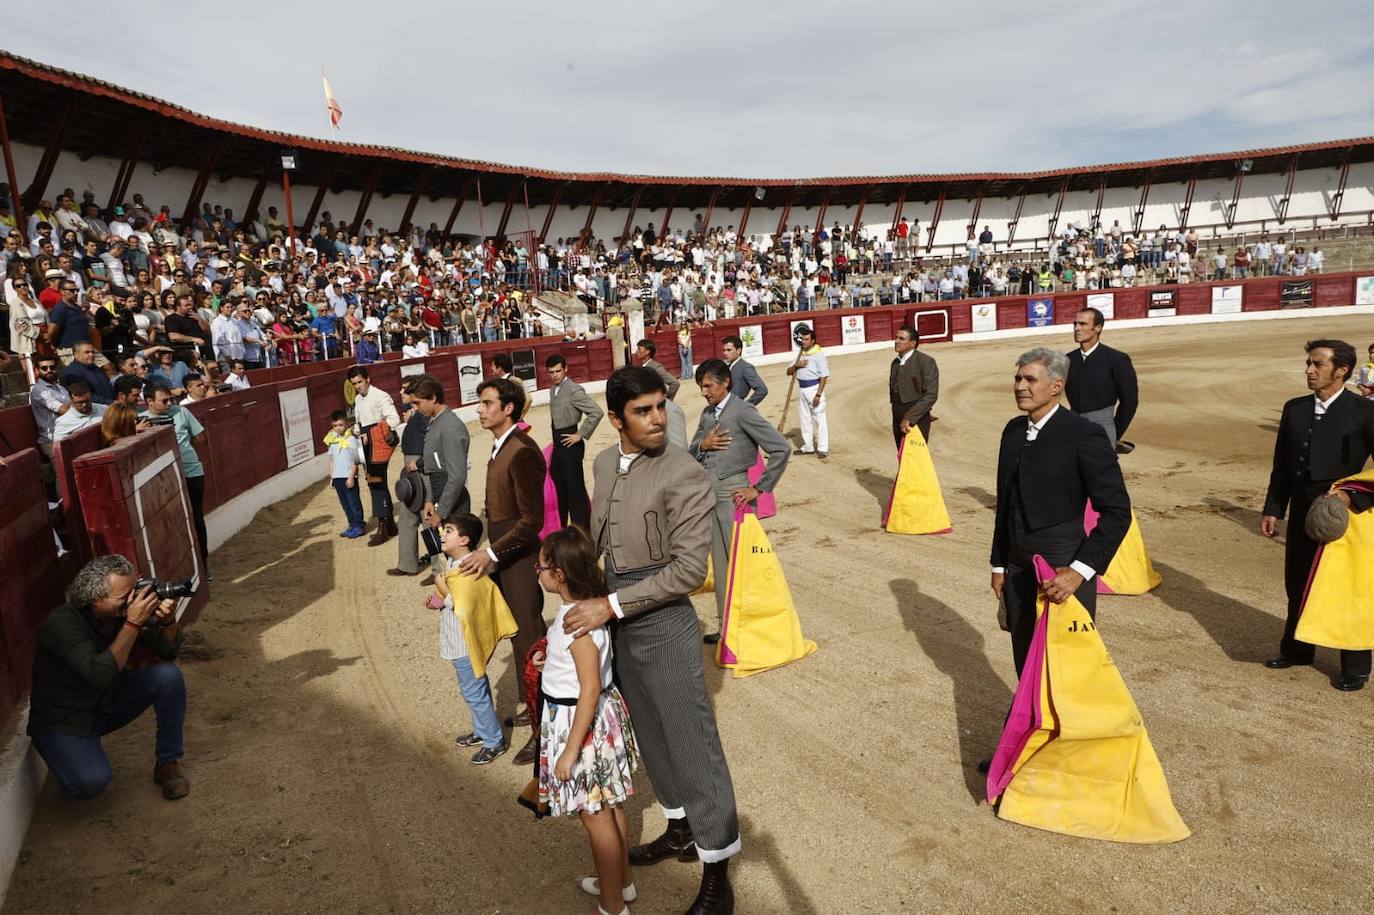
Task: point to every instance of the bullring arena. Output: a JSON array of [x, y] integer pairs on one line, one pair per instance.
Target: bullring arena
[[320, 729]]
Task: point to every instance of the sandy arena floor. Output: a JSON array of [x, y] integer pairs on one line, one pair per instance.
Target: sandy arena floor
[[319, 739]]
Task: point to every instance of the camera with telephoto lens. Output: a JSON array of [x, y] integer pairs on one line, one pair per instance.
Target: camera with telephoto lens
[[167, 590]]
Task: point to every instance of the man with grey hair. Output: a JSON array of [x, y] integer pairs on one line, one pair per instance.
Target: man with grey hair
[[84, 686], [1052, 461]]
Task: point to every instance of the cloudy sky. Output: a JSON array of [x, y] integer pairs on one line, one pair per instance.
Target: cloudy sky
[[803, 89]]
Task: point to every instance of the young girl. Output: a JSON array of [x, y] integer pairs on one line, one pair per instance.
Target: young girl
[[587, 749]]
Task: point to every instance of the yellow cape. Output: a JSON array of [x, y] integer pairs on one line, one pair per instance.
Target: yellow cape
[[761, 629], [1131, 571], [485, 616], [1338, 608], [916, 505], [1089, 770]]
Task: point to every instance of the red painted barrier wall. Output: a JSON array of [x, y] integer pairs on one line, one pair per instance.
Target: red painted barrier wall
[[137, 505], [29, 567]]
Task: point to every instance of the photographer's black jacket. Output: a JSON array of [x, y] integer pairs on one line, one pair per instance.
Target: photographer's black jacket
[[75, 676]]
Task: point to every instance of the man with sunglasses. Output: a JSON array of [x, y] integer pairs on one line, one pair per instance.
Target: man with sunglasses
[[88, 680], [68, 323]]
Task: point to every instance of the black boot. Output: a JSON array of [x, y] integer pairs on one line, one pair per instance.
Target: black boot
[[716, 896], [676, 842]]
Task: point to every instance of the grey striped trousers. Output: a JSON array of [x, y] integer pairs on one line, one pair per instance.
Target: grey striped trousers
[[658, 666]]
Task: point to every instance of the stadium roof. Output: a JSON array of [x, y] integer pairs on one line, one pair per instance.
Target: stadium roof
[[102, 117]]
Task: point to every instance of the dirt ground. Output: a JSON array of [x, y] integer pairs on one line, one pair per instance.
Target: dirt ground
[[321, 724]]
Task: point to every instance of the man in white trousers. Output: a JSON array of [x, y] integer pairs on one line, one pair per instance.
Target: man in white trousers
[[813, 374]]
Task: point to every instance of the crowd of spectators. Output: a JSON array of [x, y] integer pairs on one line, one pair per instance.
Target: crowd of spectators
[[196, 299]]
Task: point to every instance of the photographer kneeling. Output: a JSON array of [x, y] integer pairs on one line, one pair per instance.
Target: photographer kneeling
[[103, 658]]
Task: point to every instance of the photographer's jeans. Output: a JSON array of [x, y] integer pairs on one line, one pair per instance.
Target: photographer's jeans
[[79, 763], [477, 693]]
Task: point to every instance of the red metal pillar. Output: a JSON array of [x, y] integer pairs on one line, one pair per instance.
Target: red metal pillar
[[250, 212], [1016, 218], [18, 213], [1144, 198], [591, 214], [977, 209], [320, 191], [1288, 188], [363, 202], [125, 174], [820, 215], [901, 202], [1101, 194], [1187, 200], [505, 212], [668, 213], [414, 199], [553, 206], [463, 192], [710, 209], [1058, 206], [859, 213], [744, 219], [786, 212], [41, 176], [630, 215], [935, 220], [1235, 196], [202, 182], [1339, 197]]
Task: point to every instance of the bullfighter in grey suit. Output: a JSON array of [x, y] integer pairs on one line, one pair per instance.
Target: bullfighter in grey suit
[[445, 458], [727, 443], [913, 386], [651, 521], [575, 417], [746, 384]]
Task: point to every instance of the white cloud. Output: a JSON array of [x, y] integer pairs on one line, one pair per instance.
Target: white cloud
[[717, 88]]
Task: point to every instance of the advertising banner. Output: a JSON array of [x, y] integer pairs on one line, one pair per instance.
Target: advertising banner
[[1226, 300], [1364, 290], [1040, 312], [522, 361], [751, 335], [984, 316], [853, 329], [634, 327], [1104, 302], [295, 425], [1163, 303], [1296, 294], [412, 368], [469, 377]]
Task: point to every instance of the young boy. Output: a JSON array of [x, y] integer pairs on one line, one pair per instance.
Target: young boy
[[473, 617], [343, 470]]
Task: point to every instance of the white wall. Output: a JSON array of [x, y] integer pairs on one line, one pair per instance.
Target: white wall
[[1312, 193]]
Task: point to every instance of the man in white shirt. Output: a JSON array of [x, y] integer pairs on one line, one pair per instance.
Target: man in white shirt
[[83, 413], [238, 375], [371, 406], [812, 372]]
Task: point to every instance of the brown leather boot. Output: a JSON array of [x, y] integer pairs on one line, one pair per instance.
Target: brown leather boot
[[383, 533], [174, 784], [527, 752]]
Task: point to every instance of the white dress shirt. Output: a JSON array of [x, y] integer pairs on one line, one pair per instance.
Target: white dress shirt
[[1033, 430], [1321, 406]]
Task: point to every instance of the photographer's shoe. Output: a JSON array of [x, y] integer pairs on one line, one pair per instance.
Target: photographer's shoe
[[174, 784]]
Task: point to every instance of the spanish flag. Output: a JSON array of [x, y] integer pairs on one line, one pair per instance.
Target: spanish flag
[[330, 102]]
